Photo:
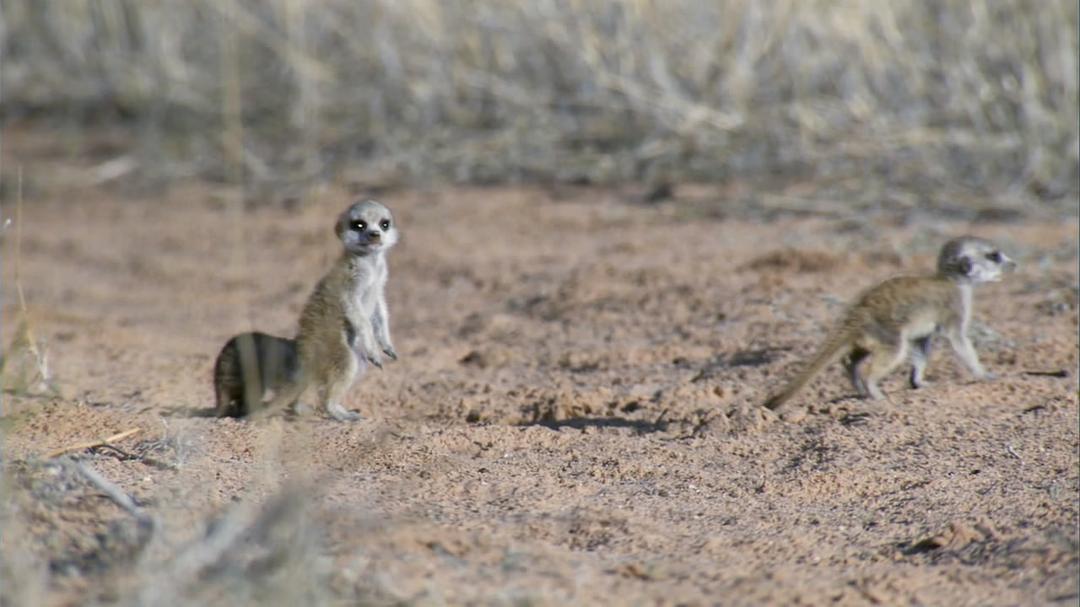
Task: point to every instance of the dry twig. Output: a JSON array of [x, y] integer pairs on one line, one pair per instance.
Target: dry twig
[[116, 494]]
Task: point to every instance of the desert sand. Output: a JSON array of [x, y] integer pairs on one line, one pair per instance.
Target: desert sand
[[574, 418]]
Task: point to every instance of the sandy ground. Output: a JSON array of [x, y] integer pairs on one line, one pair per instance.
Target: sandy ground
[[574, 418]]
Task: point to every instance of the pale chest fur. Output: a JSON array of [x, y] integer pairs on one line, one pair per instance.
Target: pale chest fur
[[365, 282], [965, 303]]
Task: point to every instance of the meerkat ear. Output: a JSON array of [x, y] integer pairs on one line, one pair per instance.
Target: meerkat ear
[[339, 225], [965, 265]]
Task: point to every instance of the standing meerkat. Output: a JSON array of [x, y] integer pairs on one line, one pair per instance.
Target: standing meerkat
[[345, 325], [900, 316], [248, 366]]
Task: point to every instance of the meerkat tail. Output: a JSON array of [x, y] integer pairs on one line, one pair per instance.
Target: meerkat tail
[[825, 355]]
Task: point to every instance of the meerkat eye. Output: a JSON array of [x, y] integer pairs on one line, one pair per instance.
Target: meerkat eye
[[385, 224], [358, 225], [994, 256]]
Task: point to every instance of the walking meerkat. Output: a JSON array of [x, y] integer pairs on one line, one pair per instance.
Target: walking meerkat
[[345, 325], [248, 366], [900, 316]]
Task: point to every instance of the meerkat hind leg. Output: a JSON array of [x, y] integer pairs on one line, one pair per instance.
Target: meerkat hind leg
[[851, 365], [334, 408], [882, 361], [287, 396], [334, 388]]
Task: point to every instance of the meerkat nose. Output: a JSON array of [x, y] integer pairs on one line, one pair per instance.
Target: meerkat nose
[[375, 235]]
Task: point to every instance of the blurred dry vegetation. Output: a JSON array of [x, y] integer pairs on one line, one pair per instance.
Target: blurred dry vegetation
[[979, 95]]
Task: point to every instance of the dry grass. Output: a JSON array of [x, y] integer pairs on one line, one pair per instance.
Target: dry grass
[[24, 365], [980, 95], [262, 553]]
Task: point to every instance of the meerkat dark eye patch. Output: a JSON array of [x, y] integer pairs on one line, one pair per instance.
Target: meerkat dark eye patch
[[994, 256], [358, 225], [965, 265], [385, 224]]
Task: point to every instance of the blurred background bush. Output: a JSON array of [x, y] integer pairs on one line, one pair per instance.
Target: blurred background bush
[[980, 95]]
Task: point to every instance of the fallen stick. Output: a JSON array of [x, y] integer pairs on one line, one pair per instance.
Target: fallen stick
[[1058, 373], [98, 443], [117, 495], [113, 492]]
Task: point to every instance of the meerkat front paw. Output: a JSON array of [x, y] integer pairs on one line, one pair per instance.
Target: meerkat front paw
[[389, 351], [374, 359]]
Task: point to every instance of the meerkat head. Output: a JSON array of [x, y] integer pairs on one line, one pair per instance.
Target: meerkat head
[[973, 260], [366, 227]]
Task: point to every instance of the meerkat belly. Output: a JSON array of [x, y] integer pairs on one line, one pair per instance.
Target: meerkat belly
[[923, 323], [366, 303]]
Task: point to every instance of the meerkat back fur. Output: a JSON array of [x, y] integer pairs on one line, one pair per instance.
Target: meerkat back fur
[[250, 365], [898, 318], [345, 324]]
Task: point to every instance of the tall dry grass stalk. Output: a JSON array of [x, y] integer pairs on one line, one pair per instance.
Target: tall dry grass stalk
[[981, 94], [24, 363]]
